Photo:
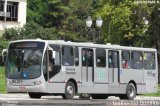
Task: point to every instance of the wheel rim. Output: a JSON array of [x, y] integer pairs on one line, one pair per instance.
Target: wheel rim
[[131, 92], [70, 90]]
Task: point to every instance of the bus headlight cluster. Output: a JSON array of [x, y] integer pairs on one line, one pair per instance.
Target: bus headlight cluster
[[37, 82], [9, 82]]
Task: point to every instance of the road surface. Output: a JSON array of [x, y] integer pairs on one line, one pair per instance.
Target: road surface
[[24, 100]]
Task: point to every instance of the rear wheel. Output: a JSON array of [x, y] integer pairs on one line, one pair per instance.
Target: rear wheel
[[69, 91], [130, 92], [35, 95]]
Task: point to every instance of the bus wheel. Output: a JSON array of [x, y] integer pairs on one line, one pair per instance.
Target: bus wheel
[[35, 95], [131, 91], [69, 91]]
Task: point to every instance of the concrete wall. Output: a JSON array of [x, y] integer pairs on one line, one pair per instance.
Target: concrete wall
[[22, 9]]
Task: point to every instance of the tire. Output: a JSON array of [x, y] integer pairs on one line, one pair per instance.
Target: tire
[[130, 92], [35, 95], [99, 96], [69, 91]]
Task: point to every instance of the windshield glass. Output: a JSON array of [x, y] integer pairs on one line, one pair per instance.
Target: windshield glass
[[24, 62]]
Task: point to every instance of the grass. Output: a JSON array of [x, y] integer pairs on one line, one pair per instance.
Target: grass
[[2, 80]]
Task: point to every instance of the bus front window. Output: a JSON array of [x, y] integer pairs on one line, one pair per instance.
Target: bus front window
[[24, 63]]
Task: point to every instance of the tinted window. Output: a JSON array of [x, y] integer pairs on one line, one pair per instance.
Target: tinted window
[[45, 66], [76, 56], [87, 57], [113, 59], [100, 58], [137, 60], [125, 59], [149, 61], [67, 56]]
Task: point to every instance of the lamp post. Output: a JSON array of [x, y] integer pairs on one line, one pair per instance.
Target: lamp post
[[94, 29]]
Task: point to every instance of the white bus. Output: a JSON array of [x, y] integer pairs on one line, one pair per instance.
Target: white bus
[[42, 67]]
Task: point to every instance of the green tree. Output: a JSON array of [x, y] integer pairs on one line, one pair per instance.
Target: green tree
[[117, 20], [57, 11], [73, 26], [31, 31], [124, 22], [36, 11], [154, 31], [3, 44]]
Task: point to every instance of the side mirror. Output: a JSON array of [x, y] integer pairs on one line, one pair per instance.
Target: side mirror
[[3, 57]]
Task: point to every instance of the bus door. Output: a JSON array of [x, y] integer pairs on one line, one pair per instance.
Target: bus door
[[113, 68], [87, 67]]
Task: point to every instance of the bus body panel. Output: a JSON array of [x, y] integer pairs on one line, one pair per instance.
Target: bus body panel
[[92, 79]]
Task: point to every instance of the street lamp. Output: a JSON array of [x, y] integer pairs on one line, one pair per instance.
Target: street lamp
[[94, 29]]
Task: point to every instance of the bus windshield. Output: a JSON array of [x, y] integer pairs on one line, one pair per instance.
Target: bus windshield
[[24, 60]]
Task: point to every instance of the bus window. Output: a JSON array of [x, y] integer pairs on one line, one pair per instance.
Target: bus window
[[87, 57], [126, 59], [51, 60], [149, 61], [54, 63], [100, 58], [113, 59], [76, 56], [45, 66], [136, 60], [67, 56]]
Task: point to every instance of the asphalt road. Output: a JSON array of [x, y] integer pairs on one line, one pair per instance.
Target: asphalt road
[[24, 100]]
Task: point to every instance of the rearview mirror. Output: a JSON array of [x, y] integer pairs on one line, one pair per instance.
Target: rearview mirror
[[3, 57]]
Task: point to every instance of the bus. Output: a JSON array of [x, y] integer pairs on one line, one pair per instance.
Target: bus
[[56, 67]]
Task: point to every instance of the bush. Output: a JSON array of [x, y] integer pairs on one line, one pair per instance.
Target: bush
[[3, 44], [31, 31], [11, 34]]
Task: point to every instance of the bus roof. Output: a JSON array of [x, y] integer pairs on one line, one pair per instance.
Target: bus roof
[[88, 44]]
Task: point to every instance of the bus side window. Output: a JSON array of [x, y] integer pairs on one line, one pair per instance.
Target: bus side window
[[110, 59], [76, 56], [100, 57], [126, 59], [67, 56], [149, 61], [45, 66], [113, 60], [137, 60], [87, 57], [51, 61]]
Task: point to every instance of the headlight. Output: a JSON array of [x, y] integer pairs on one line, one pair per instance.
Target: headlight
[[37, 82]]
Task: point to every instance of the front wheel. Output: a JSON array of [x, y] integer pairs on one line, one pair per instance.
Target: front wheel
[[35, 95], [69, 91]]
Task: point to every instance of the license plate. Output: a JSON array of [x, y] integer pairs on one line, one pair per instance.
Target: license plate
[[22, 88]]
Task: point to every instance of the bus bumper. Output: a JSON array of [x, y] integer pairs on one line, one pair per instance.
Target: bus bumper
[[23, 89]]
